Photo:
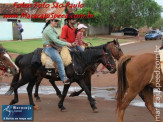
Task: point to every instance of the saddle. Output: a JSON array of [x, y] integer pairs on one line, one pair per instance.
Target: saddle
[[49, 63]]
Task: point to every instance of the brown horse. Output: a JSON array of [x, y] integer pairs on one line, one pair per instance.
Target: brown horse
[[6, 64], [138, 75]]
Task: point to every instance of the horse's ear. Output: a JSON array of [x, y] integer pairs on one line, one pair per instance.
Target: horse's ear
[[116, 41]]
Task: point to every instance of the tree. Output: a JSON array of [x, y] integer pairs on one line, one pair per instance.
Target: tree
[[82, 16], [47, 1], [158, 24], [135, 13]]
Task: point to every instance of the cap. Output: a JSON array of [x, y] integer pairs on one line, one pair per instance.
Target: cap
[[80, 26]]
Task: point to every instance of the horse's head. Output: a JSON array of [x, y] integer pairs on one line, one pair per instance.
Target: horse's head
[[115, 49], [6, 64], [108, 60]]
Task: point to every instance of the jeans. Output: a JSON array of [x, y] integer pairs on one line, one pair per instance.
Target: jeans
[[20, 35], [80, 48], [51, 52], [72, 49]]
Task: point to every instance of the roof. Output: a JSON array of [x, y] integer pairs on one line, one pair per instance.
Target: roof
[[8, 9], [50, 10]]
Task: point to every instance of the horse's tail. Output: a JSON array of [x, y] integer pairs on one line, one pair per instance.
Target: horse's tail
[[122, 81], [15, 78]]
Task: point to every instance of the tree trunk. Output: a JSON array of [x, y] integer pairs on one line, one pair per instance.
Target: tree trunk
[[110, 29]]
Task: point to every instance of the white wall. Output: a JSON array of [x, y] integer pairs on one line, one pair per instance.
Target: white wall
[[98, 30], [32, 30], [6, 32]]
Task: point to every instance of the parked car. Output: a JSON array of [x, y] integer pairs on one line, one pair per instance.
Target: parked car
[[154, 34], [130, 31], [161, 31]]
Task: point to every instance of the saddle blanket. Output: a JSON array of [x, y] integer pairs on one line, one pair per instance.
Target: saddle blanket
[[49, 63]]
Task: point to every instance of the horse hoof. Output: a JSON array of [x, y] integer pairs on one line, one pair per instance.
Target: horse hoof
[[36, 107], [71, 95], [38, 100], [63, 109], [95, 111]]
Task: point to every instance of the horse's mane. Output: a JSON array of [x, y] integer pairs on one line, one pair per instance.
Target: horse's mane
[[89, 55], [97, 47], [100, 46]]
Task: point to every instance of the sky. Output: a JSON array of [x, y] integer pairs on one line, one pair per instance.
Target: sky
[[160, 2]]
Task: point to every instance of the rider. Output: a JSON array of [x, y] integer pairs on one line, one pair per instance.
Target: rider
[[49, 34], [68, 31], [79, 37]]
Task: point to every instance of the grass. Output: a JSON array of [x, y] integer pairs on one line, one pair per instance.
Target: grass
[[24, 47], [99, 41]]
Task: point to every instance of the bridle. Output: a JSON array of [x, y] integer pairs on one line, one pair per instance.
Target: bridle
[[106, 64], [3, 66], [116, 47]]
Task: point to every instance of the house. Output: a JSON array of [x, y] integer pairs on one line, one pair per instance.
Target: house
[[32, 27], [9, 13]]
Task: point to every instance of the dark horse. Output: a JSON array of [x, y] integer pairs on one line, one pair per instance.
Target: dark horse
[[116, 52], [6, 64], [81, 60]]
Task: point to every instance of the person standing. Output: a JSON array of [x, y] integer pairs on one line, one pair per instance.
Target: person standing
[[20, 29]]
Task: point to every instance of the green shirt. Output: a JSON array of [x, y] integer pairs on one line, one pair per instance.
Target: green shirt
[[51, 35]]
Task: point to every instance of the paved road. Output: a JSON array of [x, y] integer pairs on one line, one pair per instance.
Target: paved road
[[141, 47]]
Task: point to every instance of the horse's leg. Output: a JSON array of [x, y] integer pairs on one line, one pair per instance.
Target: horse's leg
[[87, 79], [29, 90], [39, 79], [15, 88], [92, 103], [16, 99], [58, 92], [76, 93], [131, 94], [147, 96], [65, 90]]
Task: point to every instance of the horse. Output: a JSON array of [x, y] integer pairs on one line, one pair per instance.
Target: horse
[[116, 52], [6, 64], [81, 62], [137, 75]]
